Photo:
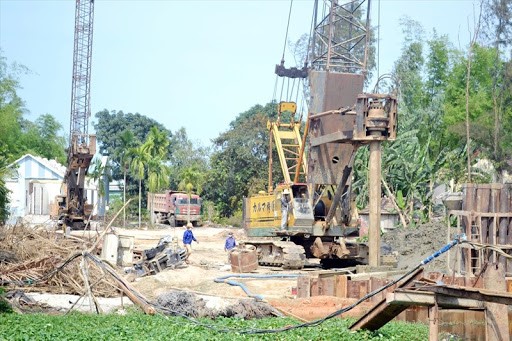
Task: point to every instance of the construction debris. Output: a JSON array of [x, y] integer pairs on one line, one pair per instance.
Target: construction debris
[[191, 305], [167, 254], [42, 261]]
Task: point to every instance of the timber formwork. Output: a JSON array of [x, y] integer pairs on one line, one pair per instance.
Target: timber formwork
[[485, 218]]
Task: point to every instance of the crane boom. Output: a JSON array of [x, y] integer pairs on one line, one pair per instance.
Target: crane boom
[[73, 210], [81, 85]]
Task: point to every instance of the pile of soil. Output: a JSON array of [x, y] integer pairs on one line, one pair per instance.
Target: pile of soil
[[415, 244]]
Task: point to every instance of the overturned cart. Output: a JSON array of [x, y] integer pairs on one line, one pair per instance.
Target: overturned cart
[[167, 254]]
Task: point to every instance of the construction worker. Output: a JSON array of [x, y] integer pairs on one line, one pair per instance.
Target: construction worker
[[188, 237], [285, 207], [229, 245]]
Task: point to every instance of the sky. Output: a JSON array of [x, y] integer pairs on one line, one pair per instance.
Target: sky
[[185, 63]]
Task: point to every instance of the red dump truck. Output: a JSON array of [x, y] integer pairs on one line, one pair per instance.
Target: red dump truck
[[173, 208]]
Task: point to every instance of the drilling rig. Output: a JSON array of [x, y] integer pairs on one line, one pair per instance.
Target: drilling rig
[[73, 210], [341, 119]]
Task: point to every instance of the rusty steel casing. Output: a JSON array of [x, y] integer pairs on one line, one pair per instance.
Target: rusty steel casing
[[331, 91]]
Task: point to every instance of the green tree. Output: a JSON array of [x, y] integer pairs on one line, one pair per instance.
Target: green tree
[[481, 104], [123, 156], [112, 125], [156, 147], [42, 138], [11, 109], [239, 163], [138, 168], [4, 192], [191, 178], [184, 155]]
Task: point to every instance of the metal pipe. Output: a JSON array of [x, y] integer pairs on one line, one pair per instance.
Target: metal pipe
[[375, 202]]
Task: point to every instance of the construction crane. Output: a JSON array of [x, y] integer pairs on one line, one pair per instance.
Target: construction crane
[[73, 210], [341, 119]]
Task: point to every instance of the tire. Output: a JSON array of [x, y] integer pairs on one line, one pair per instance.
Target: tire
[[172, 221]]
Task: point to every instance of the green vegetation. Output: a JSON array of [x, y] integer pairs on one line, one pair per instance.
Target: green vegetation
[[5, 307], [19, 136], [432, 146], [136, 326]]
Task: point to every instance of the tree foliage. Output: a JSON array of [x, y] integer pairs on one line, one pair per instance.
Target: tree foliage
[[111, 132], [239, 163], [186, 157], [18, 135]]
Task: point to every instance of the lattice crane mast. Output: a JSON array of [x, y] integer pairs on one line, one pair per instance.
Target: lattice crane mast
[[73, 209]]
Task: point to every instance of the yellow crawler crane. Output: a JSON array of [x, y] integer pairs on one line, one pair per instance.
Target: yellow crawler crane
[[341, 119], [302, 233]]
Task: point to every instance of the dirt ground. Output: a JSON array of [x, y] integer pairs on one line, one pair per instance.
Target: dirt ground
[[209, 261], [415, 244]]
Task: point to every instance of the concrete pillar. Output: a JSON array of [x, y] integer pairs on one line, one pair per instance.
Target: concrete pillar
[[375, 202]]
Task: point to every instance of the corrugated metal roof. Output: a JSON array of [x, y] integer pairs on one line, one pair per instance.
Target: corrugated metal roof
[[52, 165]]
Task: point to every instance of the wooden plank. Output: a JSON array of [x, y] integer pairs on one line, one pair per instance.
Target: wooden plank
[[314, 287], [501, 297], [353, 289], [422, 298], [496, 315], [376, 283], [303, 286], [363, 288], [326, 286], [381, 313], [341, 287], [433, 317], [503, 223]]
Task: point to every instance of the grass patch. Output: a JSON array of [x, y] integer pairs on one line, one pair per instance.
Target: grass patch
[[137, 326]]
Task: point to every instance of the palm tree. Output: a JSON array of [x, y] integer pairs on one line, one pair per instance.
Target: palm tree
[[156, 143], [156, 146], [190, 178], [138, 168], [98, 174], [158, 179], [127, 140]]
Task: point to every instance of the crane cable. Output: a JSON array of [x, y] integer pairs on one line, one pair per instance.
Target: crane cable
[[282, 57], [287, 27]]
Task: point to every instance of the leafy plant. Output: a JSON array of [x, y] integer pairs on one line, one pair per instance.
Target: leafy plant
[[136, 326], [5, 307]]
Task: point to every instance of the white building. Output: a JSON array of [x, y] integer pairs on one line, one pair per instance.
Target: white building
[[34, 183]]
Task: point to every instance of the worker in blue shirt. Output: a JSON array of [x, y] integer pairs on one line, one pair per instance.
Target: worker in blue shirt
[[188, 237], [229, 245]]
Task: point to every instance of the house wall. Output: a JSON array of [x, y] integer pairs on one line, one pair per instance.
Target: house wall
[[31, 187], [35, 183]]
